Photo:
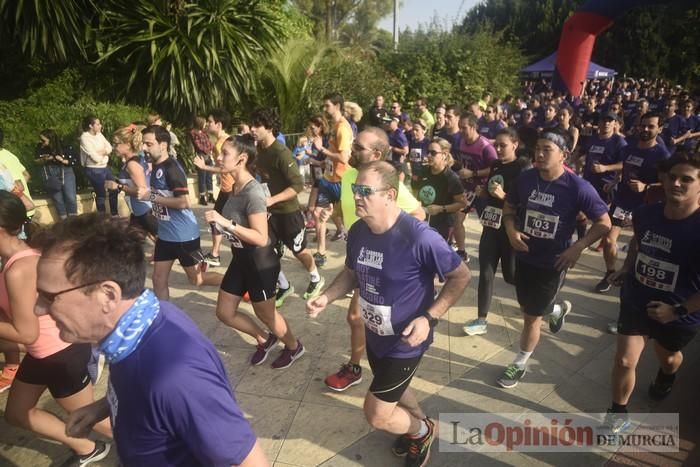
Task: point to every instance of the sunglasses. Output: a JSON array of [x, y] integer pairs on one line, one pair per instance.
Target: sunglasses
[[365, 191], [47, 298], [433, 153]]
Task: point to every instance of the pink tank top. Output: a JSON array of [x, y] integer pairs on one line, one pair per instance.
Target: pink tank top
[[48, 342]]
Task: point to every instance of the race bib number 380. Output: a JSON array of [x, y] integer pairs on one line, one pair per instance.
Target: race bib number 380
[[541, 225], [657, 274], [377, 318]]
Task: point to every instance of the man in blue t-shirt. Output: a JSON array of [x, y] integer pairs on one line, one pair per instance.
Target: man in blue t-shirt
[[392, 259], [660, 297], [169, 398], [178, 232], [639, 172], [540, 217]]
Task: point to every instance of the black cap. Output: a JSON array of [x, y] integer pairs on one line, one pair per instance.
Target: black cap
[[609, 115]]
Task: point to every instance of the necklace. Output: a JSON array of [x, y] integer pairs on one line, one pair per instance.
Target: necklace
[[545, 188]]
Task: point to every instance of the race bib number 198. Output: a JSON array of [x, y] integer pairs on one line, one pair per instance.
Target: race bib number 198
[[657, 274]]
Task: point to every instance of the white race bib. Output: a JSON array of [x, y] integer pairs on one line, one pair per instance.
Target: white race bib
[[541, 225], [470, 196], [377, 318], [657, 274], [621, 214], [235, 241], [160, 212], [491, 217]]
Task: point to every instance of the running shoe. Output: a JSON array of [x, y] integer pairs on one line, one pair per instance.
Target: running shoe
[[212, 260], [612, 327], [7, 377], [401, 445], [282, 295], [511, 376], [320, 259], [557, 322], [202, 200], [475, 327], [339, 235], [349, 375], [210, 198], [287, 357], [659, 391], [604, 285], [314, 289], [262, 350], [100, 452], [419, 449], [616, 422]]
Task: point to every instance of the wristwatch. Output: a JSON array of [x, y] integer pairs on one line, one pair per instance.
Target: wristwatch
[[432, 321], [681, 311], [153, 197], [120, 187]]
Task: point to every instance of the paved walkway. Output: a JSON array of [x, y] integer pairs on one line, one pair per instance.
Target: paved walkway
[[300, 423]]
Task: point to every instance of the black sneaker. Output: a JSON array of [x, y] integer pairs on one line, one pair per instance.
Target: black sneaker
[[314, 289], [212, 260], [320, 260], [100, 452], [210, 198], [604, 285], [659, 391], [419, 449], [202, 200], [401, 445]]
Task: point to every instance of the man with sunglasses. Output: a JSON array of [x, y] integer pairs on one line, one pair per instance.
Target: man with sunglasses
[[392, 259], [169, 399], [371, 145]]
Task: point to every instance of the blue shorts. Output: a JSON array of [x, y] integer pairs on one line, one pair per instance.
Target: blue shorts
[[328, 192]]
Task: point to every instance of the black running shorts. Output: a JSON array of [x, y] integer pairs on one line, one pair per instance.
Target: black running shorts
[[181, 251], [391, 375], [252, 270], [537, 287], [64, 373], [289, 229], [633, 322]]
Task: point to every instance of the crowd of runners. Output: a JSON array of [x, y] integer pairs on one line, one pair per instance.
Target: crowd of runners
[[547, 177]]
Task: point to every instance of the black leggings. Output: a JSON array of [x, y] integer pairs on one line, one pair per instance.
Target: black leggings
[[493, 246]]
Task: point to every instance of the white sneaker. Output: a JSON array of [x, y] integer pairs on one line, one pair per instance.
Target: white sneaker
[[475, 327]]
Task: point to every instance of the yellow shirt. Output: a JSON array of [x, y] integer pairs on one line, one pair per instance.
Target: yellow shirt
[[226, 179], [13, 164], [405, 200]]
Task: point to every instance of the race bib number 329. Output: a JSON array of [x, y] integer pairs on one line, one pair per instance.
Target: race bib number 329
[[377, 318]]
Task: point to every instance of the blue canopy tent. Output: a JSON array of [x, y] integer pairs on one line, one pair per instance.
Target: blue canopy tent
[[545, 69]]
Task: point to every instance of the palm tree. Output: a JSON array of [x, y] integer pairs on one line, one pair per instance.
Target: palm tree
[[55, 30], [182, 57]]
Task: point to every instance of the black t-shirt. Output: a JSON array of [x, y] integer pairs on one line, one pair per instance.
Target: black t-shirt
[[439, 189], [505, 175]]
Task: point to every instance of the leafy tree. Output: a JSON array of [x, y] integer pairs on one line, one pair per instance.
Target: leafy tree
[[184, 57], [452, 66], [346, 16], [55, 31]]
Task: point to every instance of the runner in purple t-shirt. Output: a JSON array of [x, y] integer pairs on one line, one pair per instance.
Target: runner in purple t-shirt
[[393, 259], [660, 297], [546, 201], [476, 155], [639, 171]]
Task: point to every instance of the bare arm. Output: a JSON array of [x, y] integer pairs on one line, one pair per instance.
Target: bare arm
[[455, 283], [175, 202], [23, 327], [256, 234]]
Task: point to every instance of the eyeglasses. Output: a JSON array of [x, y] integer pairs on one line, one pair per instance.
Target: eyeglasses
[[433, 153], [365, 191], [47, 298]]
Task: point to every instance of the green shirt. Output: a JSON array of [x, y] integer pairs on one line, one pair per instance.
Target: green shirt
[[278, 169], [405, 200]]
